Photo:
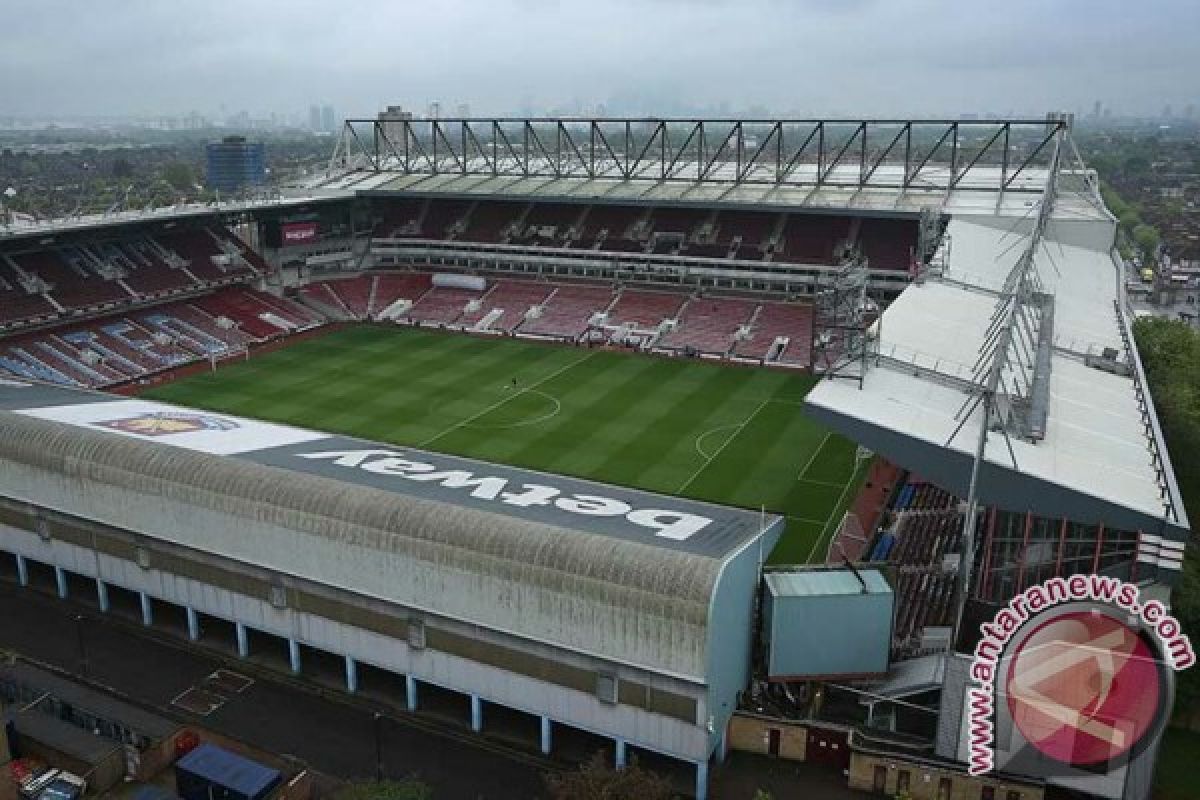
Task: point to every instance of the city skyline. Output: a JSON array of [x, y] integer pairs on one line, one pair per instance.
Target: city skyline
[[926, 57]]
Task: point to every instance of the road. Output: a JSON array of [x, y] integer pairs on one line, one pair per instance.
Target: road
[[333, 735]]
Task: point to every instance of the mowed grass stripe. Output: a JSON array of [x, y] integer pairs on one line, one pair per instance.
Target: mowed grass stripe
[[603, 415]]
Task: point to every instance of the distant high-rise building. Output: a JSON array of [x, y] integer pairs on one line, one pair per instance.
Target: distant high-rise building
[[1190, 111], [314, 118], [1167, 111], [435, 110], [234, 163], [1096, 109], [328, 119], [464, 111], [392, 119]]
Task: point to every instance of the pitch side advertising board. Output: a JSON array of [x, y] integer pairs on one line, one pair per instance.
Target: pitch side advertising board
[[299, 232]]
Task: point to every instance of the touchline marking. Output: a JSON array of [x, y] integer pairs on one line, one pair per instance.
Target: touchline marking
[[724, 444], [813, 457], [504, 400], [832, 513]]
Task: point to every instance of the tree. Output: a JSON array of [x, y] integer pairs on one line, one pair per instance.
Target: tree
[[121, 168], [1170, 352], [596, 780], [1147, 239], [409, 789], [179, 175]]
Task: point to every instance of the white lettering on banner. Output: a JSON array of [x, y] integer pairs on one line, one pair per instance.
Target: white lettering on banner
[[675, 525]]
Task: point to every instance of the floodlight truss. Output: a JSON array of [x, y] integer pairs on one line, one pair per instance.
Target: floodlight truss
[[1006, 369], [991, 155], [842, 315]]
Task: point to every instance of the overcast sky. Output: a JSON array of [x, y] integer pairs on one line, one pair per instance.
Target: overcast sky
[[853, 57]]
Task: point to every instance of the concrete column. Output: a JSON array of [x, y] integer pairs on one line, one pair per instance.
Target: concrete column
[[193, 622], [547, 735], [351, 675], [60, 579], [294, 655], [410, 690], [701, 780], [147, 609], [22, 571], [620, 759], [102, 595], [476, 713], [243, 641]]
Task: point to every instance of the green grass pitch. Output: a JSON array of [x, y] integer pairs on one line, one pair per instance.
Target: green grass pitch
[[730, 435]]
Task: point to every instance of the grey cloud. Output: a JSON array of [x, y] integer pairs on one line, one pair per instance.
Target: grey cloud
[[865, 57]]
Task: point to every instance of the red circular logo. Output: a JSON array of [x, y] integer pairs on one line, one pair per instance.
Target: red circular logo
[[1083, 688]]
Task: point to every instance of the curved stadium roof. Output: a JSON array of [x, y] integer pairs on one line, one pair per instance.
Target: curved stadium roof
[[636, 592]]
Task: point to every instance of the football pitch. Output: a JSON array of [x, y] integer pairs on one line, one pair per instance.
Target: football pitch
[[730, 435]]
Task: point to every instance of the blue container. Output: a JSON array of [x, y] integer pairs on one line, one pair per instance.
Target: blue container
[[211, 773]]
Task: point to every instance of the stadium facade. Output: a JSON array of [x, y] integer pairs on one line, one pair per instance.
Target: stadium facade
[[1000, 375], [616, 612]]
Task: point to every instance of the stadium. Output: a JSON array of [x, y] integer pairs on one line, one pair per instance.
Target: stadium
[[594, 420]]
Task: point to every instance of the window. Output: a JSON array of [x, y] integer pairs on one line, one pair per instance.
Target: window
[[902, 781], [1012, 794], [142, 556], [988, 793], [606, 688], [279, 596]]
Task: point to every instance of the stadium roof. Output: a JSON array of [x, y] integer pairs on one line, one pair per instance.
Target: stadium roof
[[670, 523], [882, 167], [717, 190], [825, 582], [1101, 458], [618, 573]]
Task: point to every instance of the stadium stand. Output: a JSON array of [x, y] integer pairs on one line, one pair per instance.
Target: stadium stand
[[920, 545], [118, 348], [18, 305], [491, 222], [401, 218], [779, 332], [70, 282], [812, 239], [441, 305], [321, 297], [708, 324], [746, 235], [354, 294], [566, 312], [505, 306], [94, 275], [548, 224], [391, 287], [641, 309], [746, 228], [888, 243], [604, 226], [439, 216]]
